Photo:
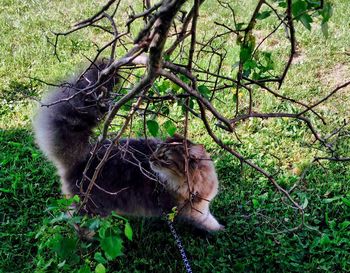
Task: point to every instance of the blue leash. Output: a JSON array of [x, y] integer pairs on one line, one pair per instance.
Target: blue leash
[[180, 246]]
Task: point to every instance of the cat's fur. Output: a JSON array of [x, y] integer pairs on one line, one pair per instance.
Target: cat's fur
[[63, 130]]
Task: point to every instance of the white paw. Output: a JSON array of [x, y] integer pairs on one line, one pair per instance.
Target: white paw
[[211, 224]]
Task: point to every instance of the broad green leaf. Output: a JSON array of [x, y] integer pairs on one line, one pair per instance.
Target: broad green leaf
[[204, 91], [245, 54], [269, 64], [165, 110], [174, 86], [247, 48], [234, 97], [153, 127], [185, 79], [299, 7], [104, 227], [112, 246], [64, 246], [99, 258], [326, 12], [163, 86], [325, 240], [282, 4], [263, 15], [239, 26], [170, 127], [306, 20], [255, 203], [94, 224], [76, 199], [100, 268], [84, 269], [190, 105], [128, 231]]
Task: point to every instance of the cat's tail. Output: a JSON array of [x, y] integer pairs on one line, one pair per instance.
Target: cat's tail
[[64, 123]]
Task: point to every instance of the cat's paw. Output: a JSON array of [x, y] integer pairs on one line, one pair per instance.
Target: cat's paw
[[211, 224]]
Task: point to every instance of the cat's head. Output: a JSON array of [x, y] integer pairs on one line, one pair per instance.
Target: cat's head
[[169, 157]]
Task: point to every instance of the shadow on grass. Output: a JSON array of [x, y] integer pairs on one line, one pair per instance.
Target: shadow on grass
[[248, 208], [27, 181]]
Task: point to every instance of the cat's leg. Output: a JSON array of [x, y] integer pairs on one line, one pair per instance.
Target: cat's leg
[[200, 215], [208, 222]]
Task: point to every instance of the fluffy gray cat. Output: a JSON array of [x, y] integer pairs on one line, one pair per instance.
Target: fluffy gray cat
[[147, 175]]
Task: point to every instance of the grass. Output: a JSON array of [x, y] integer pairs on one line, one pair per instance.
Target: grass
[[247, 204]]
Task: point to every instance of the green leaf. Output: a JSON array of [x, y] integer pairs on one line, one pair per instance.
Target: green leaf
[[346, 201], [165, 110], [234, 98], [99, 258], [94, 224], [128, 231], [304, 205], [76, 199], [64, 246], [263, 15], [100, 268], [204, 91], [344, 225], [174, 86], [282, 4], [255, 203], [162, 86], [324, 28], [239, 26], [326, 12], [306, 20], [245, 54], [269, 64], [153, 127], [185, 79], [247, 48], [84, 269], [104, 227], [190, 105], [171, 216], [112, 246], [298, 8], [325, 240], [170, 127]]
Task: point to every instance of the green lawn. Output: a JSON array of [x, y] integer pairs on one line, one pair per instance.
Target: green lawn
[[250, 208]]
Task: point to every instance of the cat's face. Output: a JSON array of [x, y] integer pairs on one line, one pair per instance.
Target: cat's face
[[169, 157]]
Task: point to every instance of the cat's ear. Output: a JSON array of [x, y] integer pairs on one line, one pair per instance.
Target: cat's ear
[[176, 138], [197, 151]]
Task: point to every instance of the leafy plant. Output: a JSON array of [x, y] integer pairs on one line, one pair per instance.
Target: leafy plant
[[101, 239]]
